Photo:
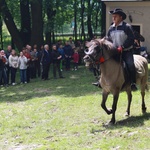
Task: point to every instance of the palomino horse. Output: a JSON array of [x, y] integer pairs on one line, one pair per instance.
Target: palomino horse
[[113, 75]]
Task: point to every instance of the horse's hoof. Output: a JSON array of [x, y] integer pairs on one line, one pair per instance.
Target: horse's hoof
[[126, 114], [109, 111], [108, 124], [144, 110]]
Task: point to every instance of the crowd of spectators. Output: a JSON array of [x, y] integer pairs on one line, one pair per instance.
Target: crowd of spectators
[[32, 62]]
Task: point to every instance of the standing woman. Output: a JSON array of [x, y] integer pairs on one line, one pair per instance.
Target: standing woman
[[22, 63], [13, 63]]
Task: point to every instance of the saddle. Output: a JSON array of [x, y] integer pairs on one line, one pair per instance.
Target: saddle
[[126, 73]]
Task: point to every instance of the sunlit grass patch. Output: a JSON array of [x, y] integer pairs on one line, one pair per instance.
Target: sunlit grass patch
[[65, 114]]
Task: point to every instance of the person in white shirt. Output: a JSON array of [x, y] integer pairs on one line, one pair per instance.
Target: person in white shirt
[[22, 63], [13, 63]]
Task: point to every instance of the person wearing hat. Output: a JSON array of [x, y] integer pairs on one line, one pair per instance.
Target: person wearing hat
[[121, 34]]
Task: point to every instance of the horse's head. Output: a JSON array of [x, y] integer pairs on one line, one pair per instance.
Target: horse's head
[[91, 52], [96, 49]]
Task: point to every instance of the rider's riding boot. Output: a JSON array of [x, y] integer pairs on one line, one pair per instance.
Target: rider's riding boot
[[134, 87], [97, 84]]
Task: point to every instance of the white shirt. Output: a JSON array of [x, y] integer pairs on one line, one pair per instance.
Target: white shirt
[[13, 61], [22, 62]]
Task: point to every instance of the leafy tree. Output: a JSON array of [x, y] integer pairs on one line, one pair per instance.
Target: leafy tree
[[11, 26], [49, 17]]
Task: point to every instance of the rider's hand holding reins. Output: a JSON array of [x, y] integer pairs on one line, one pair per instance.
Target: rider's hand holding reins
[[119, 49]]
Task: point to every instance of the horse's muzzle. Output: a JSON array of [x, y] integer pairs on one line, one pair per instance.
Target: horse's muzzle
[[87, 60]]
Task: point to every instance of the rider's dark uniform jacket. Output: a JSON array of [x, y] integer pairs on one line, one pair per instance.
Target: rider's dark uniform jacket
[[122, 35]]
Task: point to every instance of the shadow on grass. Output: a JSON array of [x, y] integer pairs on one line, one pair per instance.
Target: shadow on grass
[[133, 121], [75, 84]]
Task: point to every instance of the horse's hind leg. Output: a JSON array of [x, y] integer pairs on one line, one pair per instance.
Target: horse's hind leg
[[129, 94]]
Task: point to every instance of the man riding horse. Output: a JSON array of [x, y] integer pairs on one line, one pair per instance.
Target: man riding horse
[[121, 34], [122, 37], [113, 79]]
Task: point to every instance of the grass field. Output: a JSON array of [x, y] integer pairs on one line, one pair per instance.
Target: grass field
[[65, 114]]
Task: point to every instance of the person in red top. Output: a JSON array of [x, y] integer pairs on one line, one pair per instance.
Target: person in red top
[[28, 56], [75, 59]]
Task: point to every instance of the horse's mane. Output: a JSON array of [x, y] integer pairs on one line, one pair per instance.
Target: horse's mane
[[107, 44]]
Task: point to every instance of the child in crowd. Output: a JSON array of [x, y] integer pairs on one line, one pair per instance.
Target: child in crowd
[[75, 59], [13, 63], [22, 63]]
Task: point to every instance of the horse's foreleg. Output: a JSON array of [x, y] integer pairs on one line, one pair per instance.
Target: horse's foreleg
[[143, 101], [114, 107], [129, 102], [103, 103]]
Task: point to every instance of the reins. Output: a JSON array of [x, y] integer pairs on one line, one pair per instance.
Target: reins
[[105, 60]]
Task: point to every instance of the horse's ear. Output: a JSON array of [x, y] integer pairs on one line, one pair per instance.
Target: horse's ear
[[87, 44]]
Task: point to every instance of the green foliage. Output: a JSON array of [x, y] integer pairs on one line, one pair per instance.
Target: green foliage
[[65, 15], [58, 16], [14, 7]]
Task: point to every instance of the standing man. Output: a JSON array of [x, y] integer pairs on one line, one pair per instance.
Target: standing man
[[56, 58], [121, 34], [68, 52], [45, 60]]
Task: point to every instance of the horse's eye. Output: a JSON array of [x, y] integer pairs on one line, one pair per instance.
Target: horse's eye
[[86, 50]]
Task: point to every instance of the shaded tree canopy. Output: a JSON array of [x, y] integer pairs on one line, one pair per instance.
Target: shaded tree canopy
[[38, 21]]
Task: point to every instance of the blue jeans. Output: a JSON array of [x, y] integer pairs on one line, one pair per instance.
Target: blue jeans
[[3, 76], [23, 75], [67, 63]]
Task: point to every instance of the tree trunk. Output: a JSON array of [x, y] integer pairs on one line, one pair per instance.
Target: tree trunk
[[1, 36], [48, 38], [8, 19], [75, 20], [103, 20], [97, 15], [25, 22], [37, 23], [89, 25], [50, 24], [82, 19]]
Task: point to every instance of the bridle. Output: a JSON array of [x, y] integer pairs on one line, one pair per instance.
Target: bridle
[[96, 60]]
